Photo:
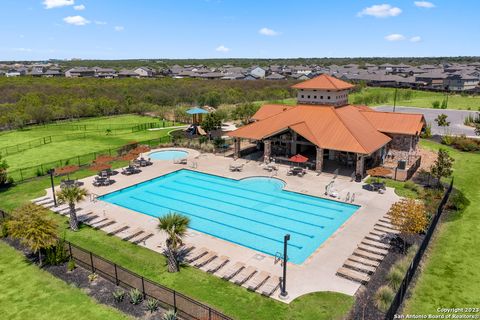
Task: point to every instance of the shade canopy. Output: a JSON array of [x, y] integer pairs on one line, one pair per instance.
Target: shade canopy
[[196, 111], [298, 158]]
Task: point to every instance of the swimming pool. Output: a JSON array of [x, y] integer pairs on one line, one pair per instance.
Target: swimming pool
[[254, 212], [168, 155]]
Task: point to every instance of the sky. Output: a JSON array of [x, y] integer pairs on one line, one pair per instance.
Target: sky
[[135, 29]]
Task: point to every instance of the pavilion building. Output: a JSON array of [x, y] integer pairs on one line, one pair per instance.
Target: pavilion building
[[329, 131]]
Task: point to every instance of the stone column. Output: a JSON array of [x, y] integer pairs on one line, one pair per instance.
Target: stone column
[[267, 146], [236, 145], [293, 145], [359, 168], [319, 160]]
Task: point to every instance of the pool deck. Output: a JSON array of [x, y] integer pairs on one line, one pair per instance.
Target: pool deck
[[317, 273]]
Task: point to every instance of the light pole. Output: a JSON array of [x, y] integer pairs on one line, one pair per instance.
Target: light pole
[[284, 293], [52, 171]]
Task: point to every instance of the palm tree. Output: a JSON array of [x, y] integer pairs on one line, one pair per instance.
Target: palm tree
[[175, 226], [72, 195], [33, 227]]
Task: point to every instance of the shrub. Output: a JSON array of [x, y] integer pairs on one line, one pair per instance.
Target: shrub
[[383, 298], [170, 315], [92, 277], [395, 277], [135, 296], [458, 201], [151, 305], [71, 265], [118, 295], [435, 104]]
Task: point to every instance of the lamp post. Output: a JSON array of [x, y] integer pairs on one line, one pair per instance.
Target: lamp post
[[284, 293], [51, 172]]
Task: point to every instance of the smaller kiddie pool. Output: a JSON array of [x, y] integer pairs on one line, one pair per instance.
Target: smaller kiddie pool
[[168, 155]]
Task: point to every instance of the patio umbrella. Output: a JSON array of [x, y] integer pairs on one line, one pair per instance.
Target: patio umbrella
[[298, 158], [379, 172], [99, 166]]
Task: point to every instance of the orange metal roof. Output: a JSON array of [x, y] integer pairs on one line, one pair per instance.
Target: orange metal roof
[[324, 82], [401, 123], [343, 129], [269, 110]]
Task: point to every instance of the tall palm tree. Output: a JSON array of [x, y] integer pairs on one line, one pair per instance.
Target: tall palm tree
[[175, 226], [72, 195]]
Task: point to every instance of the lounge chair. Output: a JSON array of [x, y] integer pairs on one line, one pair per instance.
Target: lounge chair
[[195, 254], [269, 287], [257, 281], [233, 270], [205, 259], [216, 264], [244, 275]]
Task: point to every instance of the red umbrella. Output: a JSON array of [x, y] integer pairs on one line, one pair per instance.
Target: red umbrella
[[298, 158]]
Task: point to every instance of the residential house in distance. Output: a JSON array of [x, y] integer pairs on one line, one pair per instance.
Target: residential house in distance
[[332, 134]]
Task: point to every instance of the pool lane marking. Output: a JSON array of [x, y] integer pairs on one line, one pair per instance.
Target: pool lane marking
[[270, 195], [228, 213], [213, 221], [242, 206], [259, 201]]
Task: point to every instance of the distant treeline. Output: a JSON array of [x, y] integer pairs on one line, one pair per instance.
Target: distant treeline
[[163, 63], [27, 100]]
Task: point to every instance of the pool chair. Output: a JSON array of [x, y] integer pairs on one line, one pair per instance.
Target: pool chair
[[244, 275], [233, 270], [205, 259], [216, 264], [195, 254], [257, 281], [270, 286]]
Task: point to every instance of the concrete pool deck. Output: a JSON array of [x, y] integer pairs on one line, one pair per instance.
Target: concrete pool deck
[[317, 273]]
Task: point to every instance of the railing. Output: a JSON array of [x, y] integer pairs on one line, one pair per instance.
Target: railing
[[402, 291], [186, 307]]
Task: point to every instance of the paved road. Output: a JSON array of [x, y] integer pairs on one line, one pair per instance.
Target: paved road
[[455, 117]]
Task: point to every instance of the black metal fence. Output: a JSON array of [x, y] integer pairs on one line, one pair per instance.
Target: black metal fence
[[402, 291], [186, 308]]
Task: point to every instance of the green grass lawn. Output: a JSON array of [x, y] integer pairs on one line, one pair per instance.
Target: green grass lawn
[[424, 99], [30, 293], [222, 295], [450, 276]]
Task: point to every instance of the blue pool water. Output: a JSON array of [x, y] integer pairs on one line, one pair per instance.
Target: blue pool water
[[168, 155], [253, 212]]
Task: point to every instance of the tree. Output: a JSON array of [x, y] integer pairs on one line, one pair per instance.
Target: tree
[[442, 167], [31, 225], [3, 171], [211, 122], [409, 216], [175, 226], [441, 121], [71, 196]]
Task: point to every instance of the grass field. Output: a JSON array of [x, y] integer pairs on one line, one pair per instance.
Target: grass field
[[30, 293], [450, 276], [222, 295], [94, 141], [419, 99]]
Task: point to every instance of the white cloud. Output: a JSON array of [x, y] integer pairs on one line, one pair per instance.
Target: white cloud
[[395, 37], [100, 22], [424, 4], [50, 4], [416, 39], [76, 20], [222, 48], [268, 32], [119, 28], [80, 7], [380, 11]]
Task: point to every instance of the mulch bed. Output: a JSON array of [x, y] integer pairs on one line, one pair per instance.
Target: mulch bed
[[364, 307], [100, 289]]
